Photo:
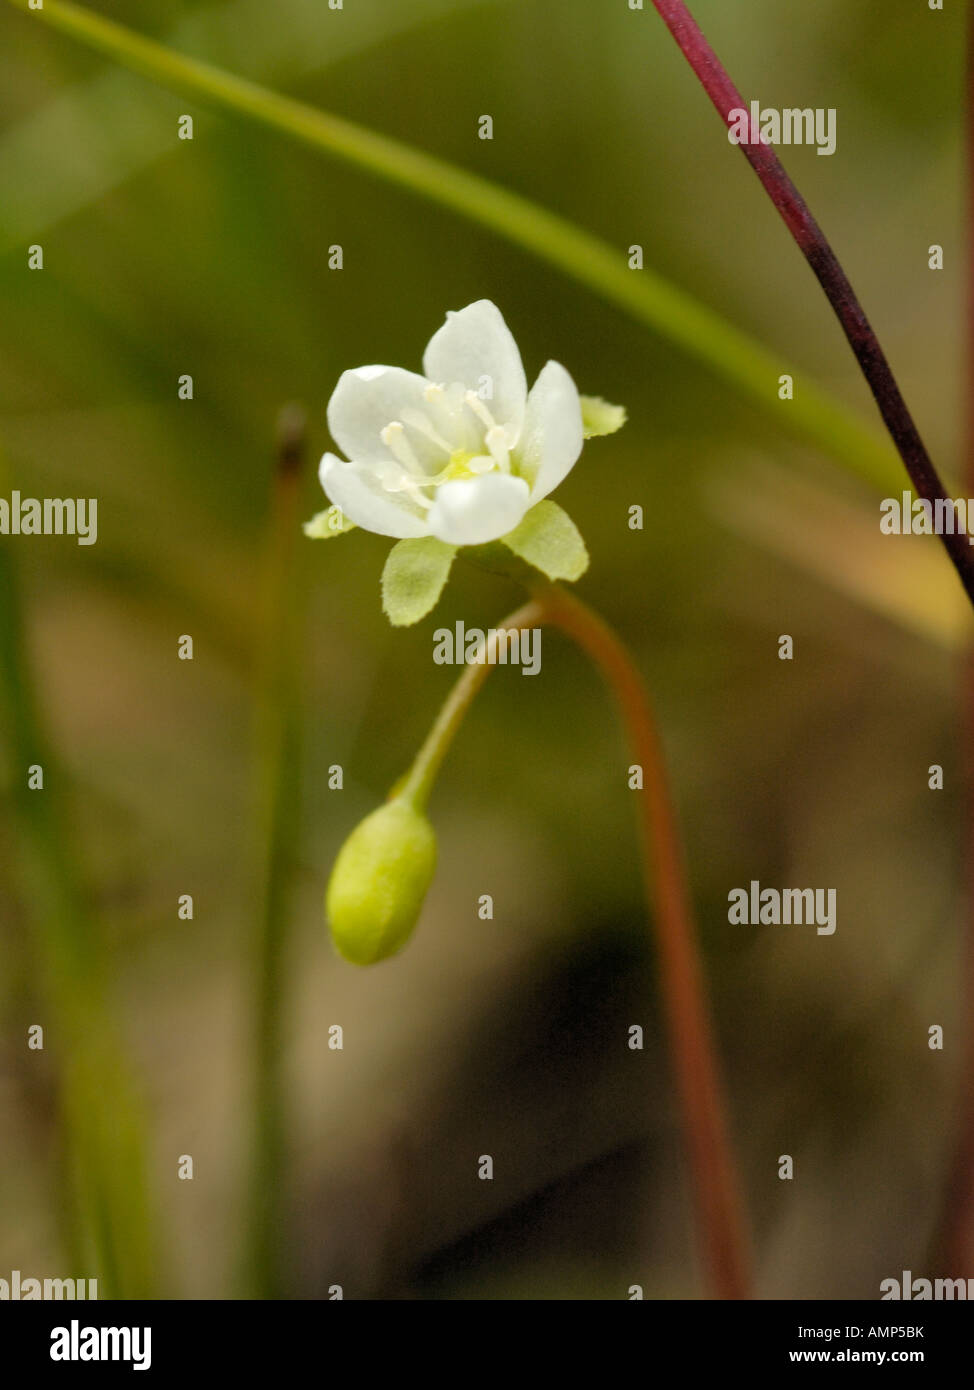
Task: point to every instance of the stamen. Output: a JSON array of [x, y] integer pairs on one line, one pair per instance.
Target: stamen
[[479, 409], [394, 438], [418, 421], [398, 480], [496, 441], [391, 477]]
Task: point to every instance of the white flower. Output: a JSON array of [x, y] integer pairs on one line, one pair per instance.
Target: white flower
[[460, 453]]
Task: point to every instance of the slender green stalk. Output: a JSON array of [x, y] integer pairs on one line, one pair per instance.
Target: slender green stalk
[[731, 354], [418, 781], [279, 796], [103, 1200]]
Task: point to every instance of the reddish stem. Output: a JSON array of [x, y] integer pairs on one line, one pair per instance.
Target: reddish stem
[[955, 1239], [722, 1224], [820, 256]]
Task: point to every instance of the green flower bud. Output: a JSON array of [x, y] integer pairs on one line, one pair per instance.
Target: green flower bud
[[379, 881]]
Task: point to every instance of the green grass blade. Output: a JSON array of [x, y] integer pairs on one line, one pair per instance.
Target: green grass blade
[[731, 354], [103, 1197], [277, 764]]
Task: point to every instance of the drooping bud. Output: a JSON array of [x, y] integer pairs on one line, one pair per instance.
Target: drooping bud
[[379, 881]]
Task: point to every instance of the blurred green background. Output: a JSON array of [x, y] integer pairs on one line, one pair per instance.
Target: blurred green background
[[509, 1037]]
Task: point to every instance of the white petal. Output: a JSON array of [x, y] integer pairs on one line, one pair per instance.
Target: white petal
[[357, 490], [476, 344], [472, 511], [552, 438], [367, 399]]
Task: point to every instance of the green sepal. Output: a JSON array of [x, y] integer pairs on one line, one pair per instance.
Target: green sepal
[[331, 522], [600, 417], [413, 578], [549, 541]]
